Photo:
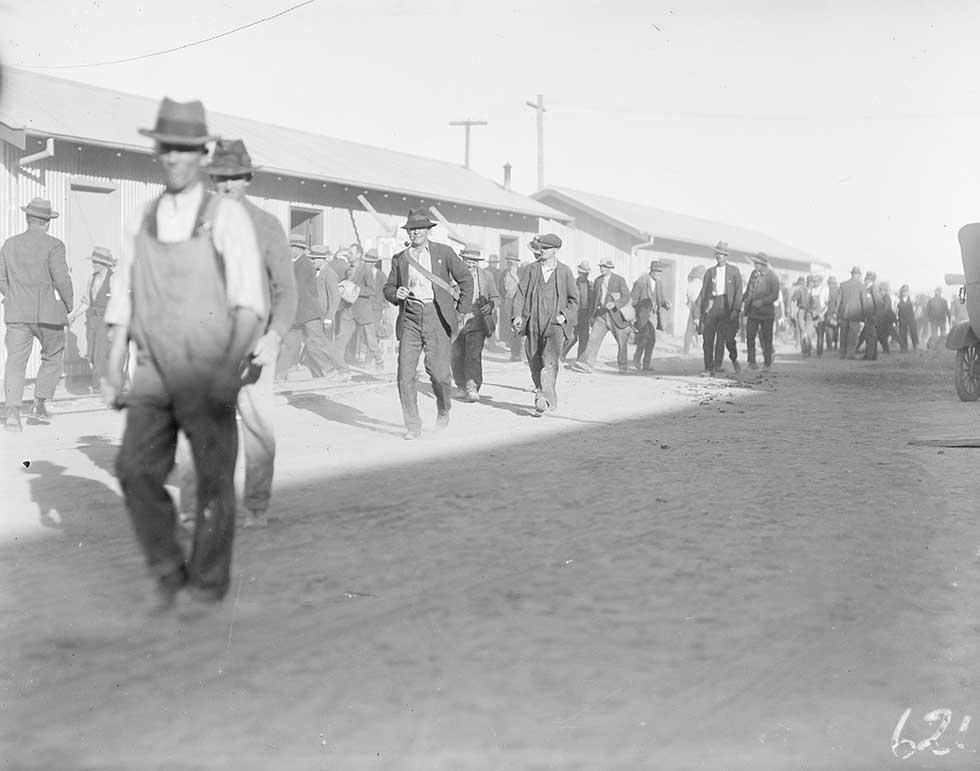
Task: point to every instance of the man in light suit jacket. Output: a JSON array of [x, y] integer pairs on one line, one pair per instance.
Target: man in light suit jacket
[[429, 316], [361, 316], [720, 304], [37, 296], [546, 309], [648, 298], [609, 295]]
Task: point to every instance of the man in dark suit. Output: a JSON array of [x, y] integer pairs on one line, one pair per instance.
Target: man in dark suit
[[467, 349], [760, 309], [37, 297], [362, 316], [648, 298], [609, 295], [326, 286], [429, 315], [850, 312], [720, 303], [306, 339], [580, 328], [545, 309]]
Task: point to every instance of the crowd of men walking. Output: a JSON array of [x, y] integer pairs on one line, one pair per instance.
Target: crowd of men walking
[[219, 304]]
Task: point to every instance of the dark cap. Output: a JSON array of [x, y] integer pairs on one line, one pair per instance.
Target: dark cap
[[547, 241]]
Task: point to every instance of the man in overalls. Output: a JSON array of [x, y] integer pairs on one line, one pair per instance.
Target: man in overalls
[[189, 292]]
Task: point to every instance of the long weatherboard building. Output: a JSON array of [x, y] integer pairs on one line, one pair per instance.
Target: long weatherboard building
[[77, 145], [632, 234]]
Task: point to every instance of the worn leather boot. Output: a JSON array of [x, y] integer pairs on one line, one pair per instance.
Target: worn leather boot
[[12, 423], [39, 411]]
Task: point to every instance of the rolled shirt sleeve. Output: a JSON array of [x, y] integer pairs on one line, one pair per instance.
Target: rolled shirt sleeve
[[234, 238]]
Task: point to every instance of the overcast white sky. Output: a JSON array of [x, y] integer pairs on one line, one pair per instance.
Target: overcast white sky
[[846, 129]]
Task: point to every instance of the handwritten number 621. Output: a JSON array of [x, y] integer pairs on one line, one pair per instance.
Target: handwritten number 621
[[904, 748]]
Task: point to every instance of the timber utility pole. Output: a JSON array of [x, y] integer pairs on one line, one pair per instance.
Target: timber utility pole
[[539, 106], [467, 123]]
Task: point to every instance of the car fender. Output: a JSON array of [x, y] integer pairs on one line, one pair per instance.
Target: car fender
[[961, 336]]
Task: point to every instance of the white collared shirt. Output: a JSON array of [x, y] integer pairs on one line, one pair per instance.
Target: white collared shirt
[[232, 234], [419, 286], [547, 271], [720, 276]]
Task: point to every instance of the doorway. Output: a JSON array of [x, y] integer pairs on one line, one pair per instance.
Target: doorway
[[307, 224]]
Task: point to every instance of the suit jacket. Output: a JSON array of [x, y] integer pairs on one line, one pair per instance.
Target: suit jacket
[[527, 308], [850, 307], [733, 289], [277, 263], [307, 301], [616, 284], [646, 291], [449, 267], [32, 268], [328, 292], [761, 294], [366, 308], [484, 302]]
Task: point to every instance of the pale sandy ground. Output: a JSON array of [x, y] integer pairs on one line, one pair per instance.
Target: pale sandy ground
[[671, 573]]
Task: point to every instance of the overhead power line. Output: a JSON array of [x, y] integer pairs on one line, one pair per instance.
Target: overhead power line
[[169, 50]]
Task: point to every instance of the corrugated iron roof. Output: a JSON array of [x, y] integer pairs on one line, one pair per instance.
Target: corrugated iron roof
[[48, 106], [650, 222]]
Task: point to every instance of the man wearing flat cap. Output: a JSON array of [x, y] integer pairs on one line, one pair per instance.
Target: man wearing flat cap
[[610, 295], [361, 316], [93, 304], [37, 297], [545, 310], [761, 293], [850, 313], [648, 299], [430, 313], [189, 291], [580, 330], [720, 304], [467, 350]]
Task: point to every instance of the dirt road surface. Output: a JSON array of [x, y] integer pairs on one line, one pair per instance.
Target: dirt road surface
[[670, 573]]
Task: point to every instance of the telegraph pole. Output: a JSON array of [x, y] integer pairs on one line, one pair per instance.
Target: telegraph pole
[[539, 107], [467, 123]]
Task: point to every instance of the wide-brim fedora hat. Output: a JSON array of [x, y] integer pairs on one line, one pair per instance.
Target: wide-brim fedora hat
[[371, 255], [721, 247], [298, 241], [230, 158], [606, 263], [180, 123], [585, 266], [760, 258], [417, 220], [40, 207], [472, 252], [657, 266], [102, 256]]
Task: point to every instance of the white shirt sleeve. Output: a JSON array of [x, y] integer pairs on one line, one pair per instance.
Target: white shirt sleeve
[[234, 238]]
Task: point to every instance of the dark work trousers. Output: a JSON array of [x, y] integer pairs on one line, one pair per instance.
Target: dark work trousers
[[761, 328], [719, 333], [646, 339], [905, 330], [349, 330], [869, 334], [848, 338], [543, 354], [422, 330], [600, 325], [146, 459], [20, 341], [97, 339], [319, 354], [830, 335], [820, 337], [467, 356], [580, 335], [886, 329]]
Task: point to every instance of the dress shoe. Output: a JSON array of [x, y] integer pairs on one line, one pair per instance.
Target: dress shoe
[[581, 366], [411, 435], [472, 395], [39, 411], [442, 421], [12, 423], [255, 519]]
